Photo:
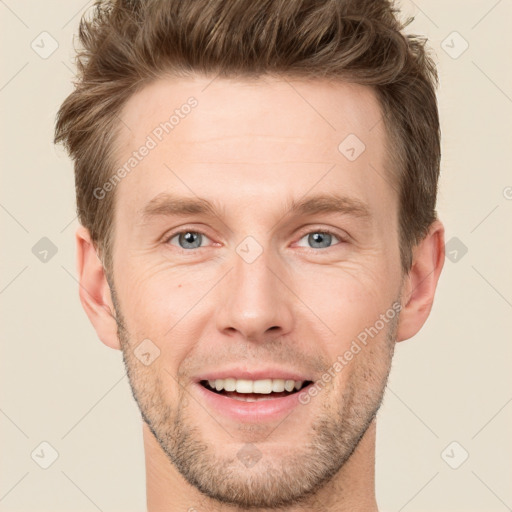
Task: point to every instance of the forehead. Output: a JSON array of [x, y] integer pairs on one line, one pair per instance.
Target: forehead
[[265, 107], [216, 136]]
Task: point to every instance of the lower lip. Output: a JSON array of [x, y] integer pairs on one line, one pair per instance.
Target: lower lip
[[238, 410]]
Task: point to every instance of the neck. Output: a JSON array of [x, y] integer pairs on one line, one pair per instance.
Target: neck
[[351, 489]]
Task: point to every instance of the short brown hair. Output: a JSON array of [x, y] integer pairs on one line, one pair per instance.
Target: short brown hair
[[129, 43]]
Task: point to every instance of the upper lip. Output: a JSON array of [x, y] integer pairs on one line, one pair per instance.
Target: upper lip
[[253, 374]]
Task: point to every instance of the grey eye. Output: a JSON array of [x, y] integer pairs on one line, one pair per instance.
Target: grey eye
[[320, 239], [188, 239]]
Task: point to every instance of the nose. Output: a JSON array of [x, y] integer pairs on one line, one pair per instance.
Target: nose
[[255, 302]]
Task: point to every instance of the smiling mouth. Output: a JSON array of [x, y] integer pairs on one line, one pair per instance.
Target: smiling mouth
[[253, 391]]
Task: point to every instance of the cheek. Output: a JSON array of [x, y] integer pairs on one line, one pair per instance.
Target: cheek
[[156, 294], [162, 304], [350, 301], [347, 299]]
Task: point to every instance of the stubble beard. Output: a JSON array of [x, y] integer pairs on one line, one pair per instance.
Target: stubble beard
[[273, 482]]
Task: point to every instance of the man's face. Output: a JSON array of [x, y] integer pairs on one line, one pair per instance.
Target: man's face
[[258, 290]]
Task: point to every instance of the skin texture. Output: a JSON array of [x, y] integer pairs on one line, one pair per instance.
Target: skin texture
[[251, 147]]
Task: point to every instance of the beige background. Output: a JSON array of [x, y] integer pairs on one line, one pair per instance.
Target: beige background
[[452, 382]]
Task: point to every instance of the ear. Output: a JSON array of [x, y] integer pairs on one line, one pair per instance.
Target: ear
[[420, 284], [94, 290]]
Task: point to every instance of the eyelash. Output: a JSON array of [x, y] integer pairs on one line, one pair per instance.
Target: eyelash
[[324, 231]]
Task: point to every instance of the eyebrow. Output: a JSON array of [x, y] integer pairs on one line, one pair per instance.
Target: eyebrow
[[167, 205]]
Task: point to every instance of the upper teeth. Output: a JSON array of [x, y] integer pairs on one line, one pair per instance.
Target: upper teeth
[[264, 386]]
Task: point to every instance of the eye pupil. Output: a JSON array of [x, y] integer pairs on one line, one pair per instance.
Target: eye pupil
[[319, 237], [190, 238]]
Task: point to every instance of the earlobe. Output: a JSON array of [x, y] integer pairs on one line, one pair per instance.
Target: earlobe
[[94, 290], [420, 284]]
